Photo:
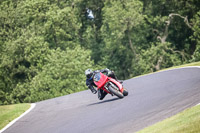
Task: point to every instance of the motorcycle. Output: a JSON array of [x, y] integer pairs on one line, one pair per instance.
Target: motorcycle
[[109, 85]]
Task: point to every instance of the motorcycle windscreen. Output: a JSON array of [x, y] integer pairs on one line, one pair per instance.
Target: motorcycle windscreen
[[99, 79]]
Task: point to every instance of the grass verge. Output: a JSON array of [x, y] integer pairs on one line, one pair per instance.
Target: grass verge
[[187, 121], [10, 112], [185, 65]]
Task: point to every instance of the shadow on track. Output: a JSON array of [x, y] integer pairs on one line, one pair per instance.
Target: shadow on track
[[105, 101]]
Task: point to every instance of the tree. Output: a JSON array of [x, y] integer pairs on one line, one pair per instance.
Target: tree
[[22, 59], [196, 36], [159, 56], [64, 74], [117, 30]]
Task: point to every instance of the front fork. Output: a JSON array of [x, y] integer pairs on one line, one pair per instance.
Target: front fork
[[114, 86], [106, 88]]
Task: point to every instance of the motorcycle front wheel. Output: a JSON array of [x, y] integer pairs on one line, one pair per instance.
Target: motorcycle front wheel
[[115, 92], [125, 92]]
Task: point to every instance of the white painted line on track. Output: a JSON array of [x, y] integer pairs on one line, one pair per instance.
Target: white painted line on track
[[12, 122]]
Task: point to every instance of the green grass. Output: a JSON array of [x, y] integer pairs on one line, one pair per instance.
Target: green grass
[[10, 112], [187, 121]]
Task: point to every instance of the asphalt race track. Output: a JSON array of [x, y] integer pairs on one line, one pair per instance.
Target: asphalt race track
[[151, 98]]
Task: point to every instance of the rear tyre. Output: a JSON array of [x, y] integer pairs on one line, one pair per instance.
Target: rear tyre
[[115, 92], [125, 92]]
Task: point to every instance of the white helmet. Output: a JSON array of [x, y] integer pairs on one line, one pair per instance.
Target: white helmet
[[88, 73]]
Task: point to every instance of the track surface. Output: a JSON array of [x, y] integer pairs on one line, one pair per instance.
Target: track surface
[[151, 98]]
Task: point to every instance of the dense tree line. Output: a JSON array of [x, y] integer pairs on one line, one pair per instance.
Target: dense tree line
[[46, 45]]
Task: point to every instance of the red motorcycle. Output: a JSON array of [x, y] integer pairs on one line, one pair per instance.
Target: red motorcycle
[[109, 85]]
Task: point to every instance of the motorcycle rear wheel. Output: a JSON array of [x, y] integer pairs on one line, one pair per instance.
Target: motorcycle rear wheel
[[115, 92]]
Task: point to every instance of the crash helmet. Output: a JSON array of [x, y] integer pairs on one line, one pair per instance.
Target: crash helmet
[[88, 73]]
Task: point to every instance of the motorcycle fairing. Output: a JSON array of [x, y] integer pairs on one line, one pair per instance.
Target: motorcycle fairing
[[119, 85], [102, 80]]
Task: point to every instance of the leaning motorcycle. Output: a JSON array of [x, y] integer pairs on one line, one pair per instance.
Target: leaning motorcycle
[[109, 85]]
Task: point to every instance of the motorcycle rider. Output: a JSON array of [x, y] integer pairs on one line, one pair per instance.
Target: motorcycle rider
[[91, 85]]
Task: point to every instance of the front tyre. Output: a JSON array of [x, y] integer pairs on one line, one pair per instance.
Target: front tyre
[[125, 92], [115, 92]]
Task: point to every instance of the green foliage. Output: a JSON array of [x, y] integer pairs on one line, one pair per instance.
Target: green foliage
[[61, 28], [31, 30], [196, 36], [46, 45], [159, 56], [64, 74], [22, 59], [118, 32]]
